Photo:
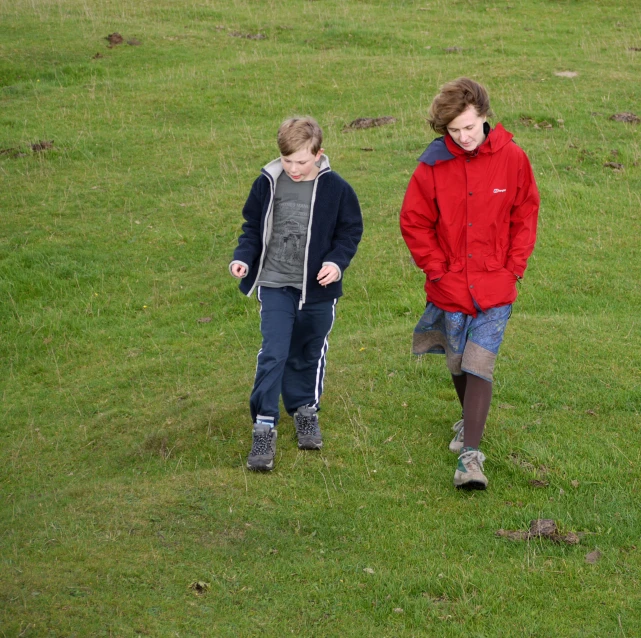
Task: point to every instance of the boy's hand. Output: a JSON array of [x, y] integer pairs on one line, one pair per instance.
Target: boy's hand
[[327, 275], [238, 271]]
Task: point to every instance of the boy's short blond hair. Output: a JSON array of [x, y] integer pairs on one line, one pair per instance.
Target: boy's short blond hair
[[454, 98], [297, 133]]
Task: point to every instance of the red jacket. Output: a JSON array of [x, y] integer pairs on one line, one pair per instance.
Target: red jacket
[[469, 220]]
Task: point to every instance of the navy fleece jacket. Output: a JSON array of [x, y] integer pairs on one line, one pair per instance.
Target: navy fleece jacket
[[334, 231]]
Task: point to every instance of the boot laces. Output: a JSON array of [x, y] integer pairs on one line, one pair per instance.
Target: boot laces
[[260, 444], [307, 424]]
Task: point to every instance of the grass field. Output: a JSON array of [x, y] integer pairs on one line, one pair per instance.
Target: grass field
[[127, 352]]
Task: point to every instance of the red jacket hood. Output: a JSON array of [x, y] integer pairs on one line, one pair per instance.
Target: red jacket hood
[[445, 148]]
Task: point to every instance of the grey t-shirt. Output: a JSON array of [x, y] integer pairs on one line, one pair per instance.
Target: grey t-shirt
[[285, 258]]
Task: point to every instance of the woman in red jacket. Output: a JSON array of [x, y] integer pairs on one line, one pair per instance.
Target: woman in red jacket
[[469, 219]]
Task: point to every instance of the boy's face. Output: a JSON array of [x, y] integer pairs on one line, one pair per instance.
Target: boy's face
[[467, 129], [301, 165]]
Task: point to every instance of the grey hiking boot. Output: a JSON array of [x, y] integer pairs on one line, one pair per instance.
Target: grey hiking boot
[[456, 444], [261, 457], [307, 430], [469, 472]]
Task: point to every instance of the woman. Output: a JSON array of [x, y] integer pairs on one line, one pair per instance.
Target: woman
[[469, 219]]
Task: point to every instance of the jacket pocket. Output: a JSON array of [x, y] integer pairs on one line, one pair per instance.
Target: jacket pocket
[[456, 265], [492, 262]]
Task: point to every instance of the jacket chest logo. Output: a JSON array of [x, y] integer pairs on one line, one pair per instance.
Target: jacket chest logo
[[499, 190]]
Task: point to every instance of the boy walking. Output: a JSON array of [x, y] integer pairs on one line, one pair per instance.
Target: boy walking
[[302, 228]]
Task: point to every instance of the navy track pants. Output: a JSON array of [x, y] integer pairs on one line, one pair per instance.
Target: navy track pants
[[292, 358]]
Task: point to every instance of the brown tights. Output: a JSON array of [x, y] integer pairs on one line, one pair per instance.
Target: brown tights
[[475, 395]]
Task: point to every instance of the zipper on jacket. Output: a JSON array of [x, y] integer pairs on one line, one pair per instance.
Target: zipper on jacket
[[303, 295]]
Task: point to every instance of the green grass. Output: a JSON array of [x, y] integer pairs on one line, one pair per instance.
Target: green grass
[[124, 425]]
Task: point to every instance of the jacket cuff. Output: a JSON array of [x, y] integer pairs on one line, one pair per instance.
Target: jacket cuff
[[331, 263], [517, 271], [242, 263]]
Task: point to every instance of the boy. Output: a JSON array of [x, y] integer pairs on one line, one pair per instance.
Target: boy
[[302, 227], [469, 219]]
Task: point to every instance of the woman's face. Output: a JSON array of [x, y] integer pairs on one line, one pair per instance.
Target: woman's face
[[466, 129]]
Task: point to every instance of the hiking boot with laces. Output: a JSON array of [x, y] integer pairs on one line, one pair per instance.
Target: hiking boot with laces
[[469, 472], [261, 457], [456, 444], [307, 430]]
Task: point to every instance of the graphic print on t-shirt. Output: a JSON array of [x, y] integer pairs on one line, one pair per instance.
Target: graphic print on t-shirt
[[290, 248]]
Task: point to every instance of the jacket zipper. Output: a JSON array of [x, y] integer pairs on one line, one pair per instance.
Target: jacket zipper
[[303, 295]]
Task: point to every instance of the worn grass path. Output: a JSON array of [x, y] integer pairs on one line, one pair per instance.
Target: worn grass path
[[127, 353]]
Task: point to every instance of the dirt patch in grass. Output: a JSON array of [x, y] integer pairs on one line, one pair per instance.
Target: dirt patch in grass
[[114, 39], [199, 587], [12, 152], [627, 117], [617, 167], [526, 120], [248, 36], [42, 146], [540, 528], [36, 147], [369, 122]]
